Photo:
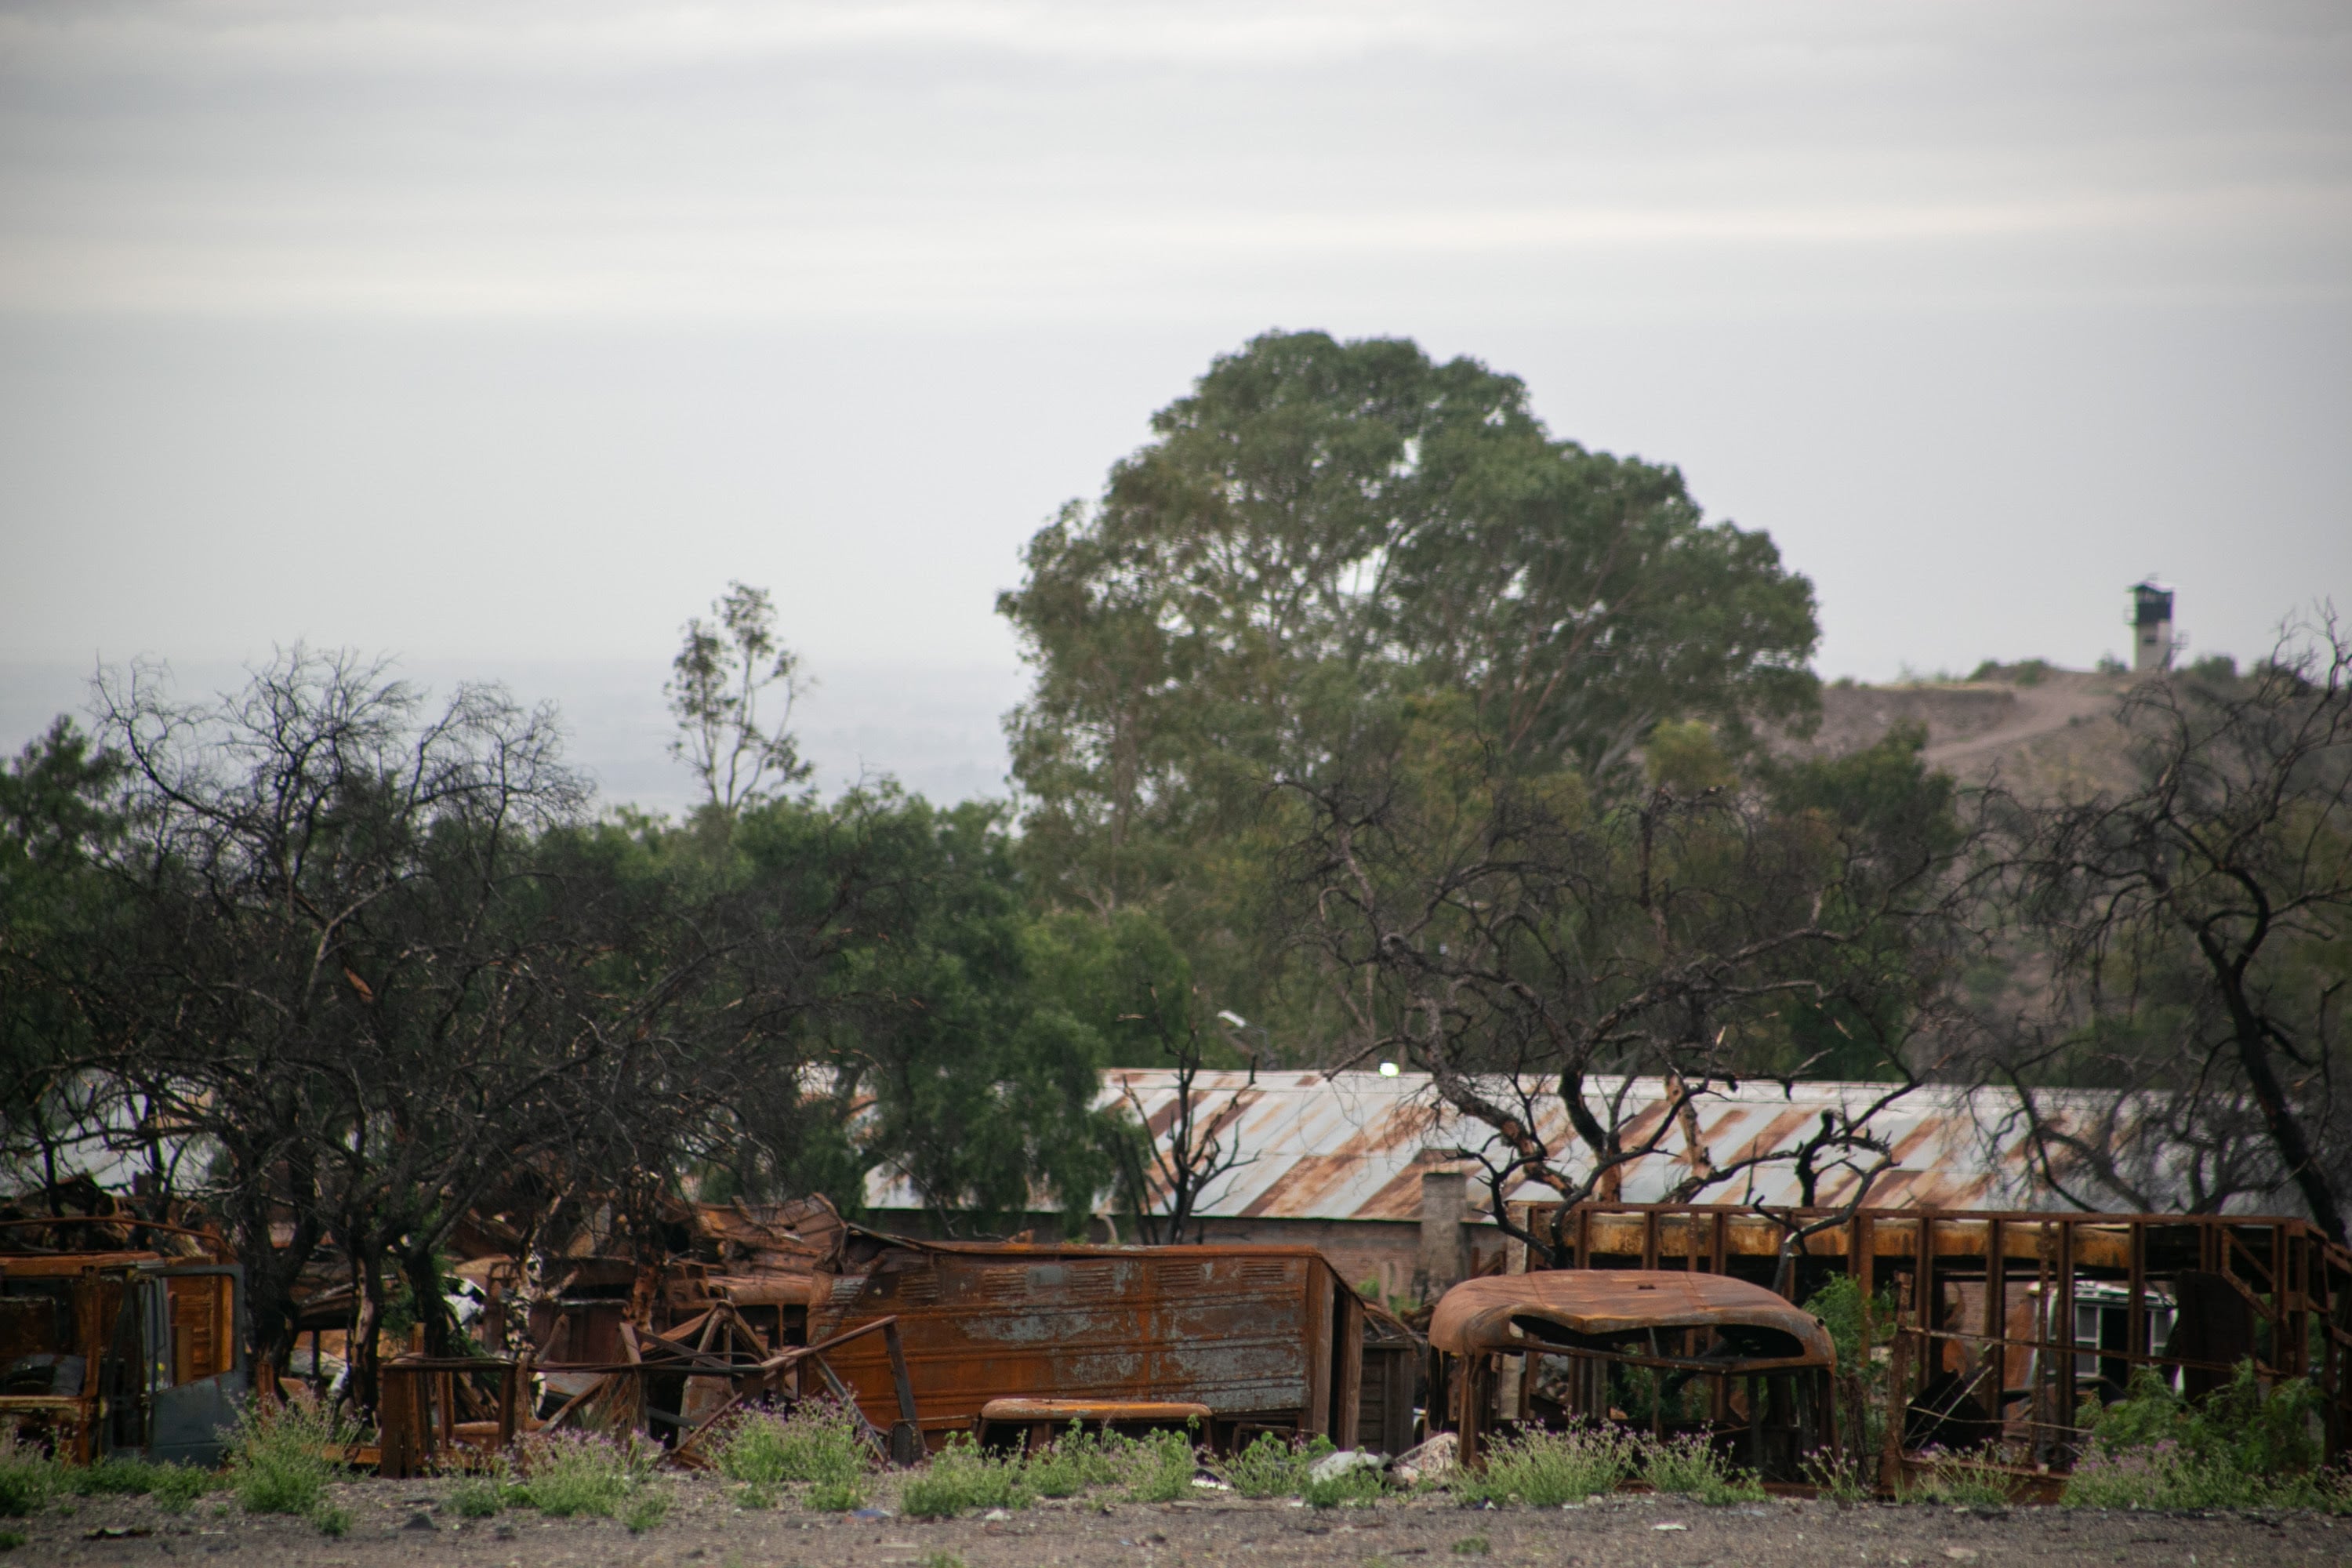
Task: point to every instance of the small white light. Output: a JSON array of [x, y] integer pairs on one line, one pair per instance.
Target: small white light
[[1388, 1069], [1229, 1016]]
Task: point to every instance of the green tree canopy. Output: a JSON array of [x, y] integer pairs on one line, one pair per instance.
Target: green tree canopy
[[1321, 523]]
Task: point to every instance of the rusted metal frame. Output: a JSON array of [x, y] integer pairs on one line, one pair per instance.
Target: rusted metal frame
[[2144, 1358], [1996, 1311], [2275, 1309], [2062, 1417], [1926, 1298], [2136, 1323]]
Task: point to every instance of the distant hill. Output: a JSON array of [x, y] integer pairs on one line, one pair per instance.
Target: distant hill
[[2045, 733]]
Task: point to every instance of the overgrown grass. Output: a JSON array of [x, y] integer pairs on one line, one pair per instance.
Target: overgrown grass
[[818, 1441], [1961, 1483], [1351, 1488], [1545, 1470], [28, 1477], [568, 1473], [2240, 1447], [1840, 1481], [1271, 1467], [283, 1456], [961, 1478], [1689, 1466], [1077, 1462], [1160, 1466], [476, 1496], [834, 1496]]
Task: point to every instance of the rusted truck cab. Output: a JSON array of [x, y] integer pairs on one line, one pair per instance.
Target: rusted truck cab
[[122, 1352], [1755, 1369]]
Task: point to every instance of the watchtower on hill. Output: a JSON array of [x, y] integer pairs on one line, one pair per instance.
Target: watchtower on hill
[[2152, 641]]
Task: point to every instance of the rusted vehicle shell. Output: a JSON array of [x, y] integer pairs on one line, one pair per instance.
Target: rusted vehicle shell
[[1597, 1308]]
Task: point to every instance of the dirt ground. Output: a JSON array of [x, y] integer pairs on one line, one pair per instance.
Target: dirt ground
[[404, 1522]]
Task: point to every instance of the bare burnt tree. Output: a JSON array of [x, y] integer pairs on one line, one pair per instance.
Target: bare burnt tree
[[380, 967], [326, 995], [2196, 928], [1175, 1154], [1540, 951]]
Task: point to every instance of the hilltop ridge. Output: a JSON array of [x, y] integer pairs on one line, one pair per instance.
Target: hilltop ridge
[[2044, 732]]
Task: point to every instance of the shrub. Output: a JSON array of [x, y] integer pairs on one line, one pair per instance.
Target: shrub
[[12, 1539], [283, 1456], [961, 1477], [1078, 1459], [834, 1496], [1271, 1467], [177, 1486], [117, 1475], [1161, 1466], [1839, 1481], [1545, 1470], [1352, 1489], [819, 1441], [332, 1520], [475, 1497], [2238, 1447], [567, 1473], [1689, 1466], [1962, 1483], [27, 1477], [647, 1509]]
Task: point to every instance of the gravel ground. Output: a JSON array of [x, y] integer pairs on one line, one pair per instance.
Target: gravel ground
[[404, 1522]]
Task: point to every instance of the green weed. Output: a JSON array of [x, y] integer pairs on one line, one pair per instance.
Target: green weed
[[177, 1486], [1271, 1467], [1356, 1489], [12, 1539], [645, 1509], [1961, 1483], [1838, 1481], [819, 1441], [567, 1473], [2237, 1447], [1545, 1470], [332, 1520], [834, 1496], [475, 1497], [942, 1560], [283, 1456], [960, 1476], [117, 1475], [1079, 1460], [1161, 1468], [1473, 1546], [1689, 1466], [28, 1477]]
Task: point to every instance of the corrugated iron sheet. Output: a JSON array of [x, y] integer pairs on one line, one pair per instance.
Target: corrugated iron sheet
[[1256, 1334], [1353, 1145]]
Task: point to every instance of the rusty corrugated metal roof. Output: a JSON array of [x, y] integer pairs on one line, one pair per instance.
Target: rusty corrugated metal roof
[[1353, 1145]]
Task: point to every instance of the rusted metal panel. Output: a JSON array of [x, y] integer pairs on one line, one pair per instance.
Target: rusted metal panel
[[1250, 1333]]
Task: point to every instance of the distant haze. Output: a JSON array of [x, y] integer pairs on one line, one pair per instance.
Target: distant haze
[[500, 336]]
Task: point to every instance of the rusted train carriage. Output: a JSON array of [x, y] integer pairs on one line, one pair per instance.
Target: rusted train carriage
[[1265, 1338]]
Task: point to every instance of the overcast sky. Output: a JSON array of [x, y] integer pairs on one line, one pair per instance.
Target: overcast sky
[[500, 336]]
